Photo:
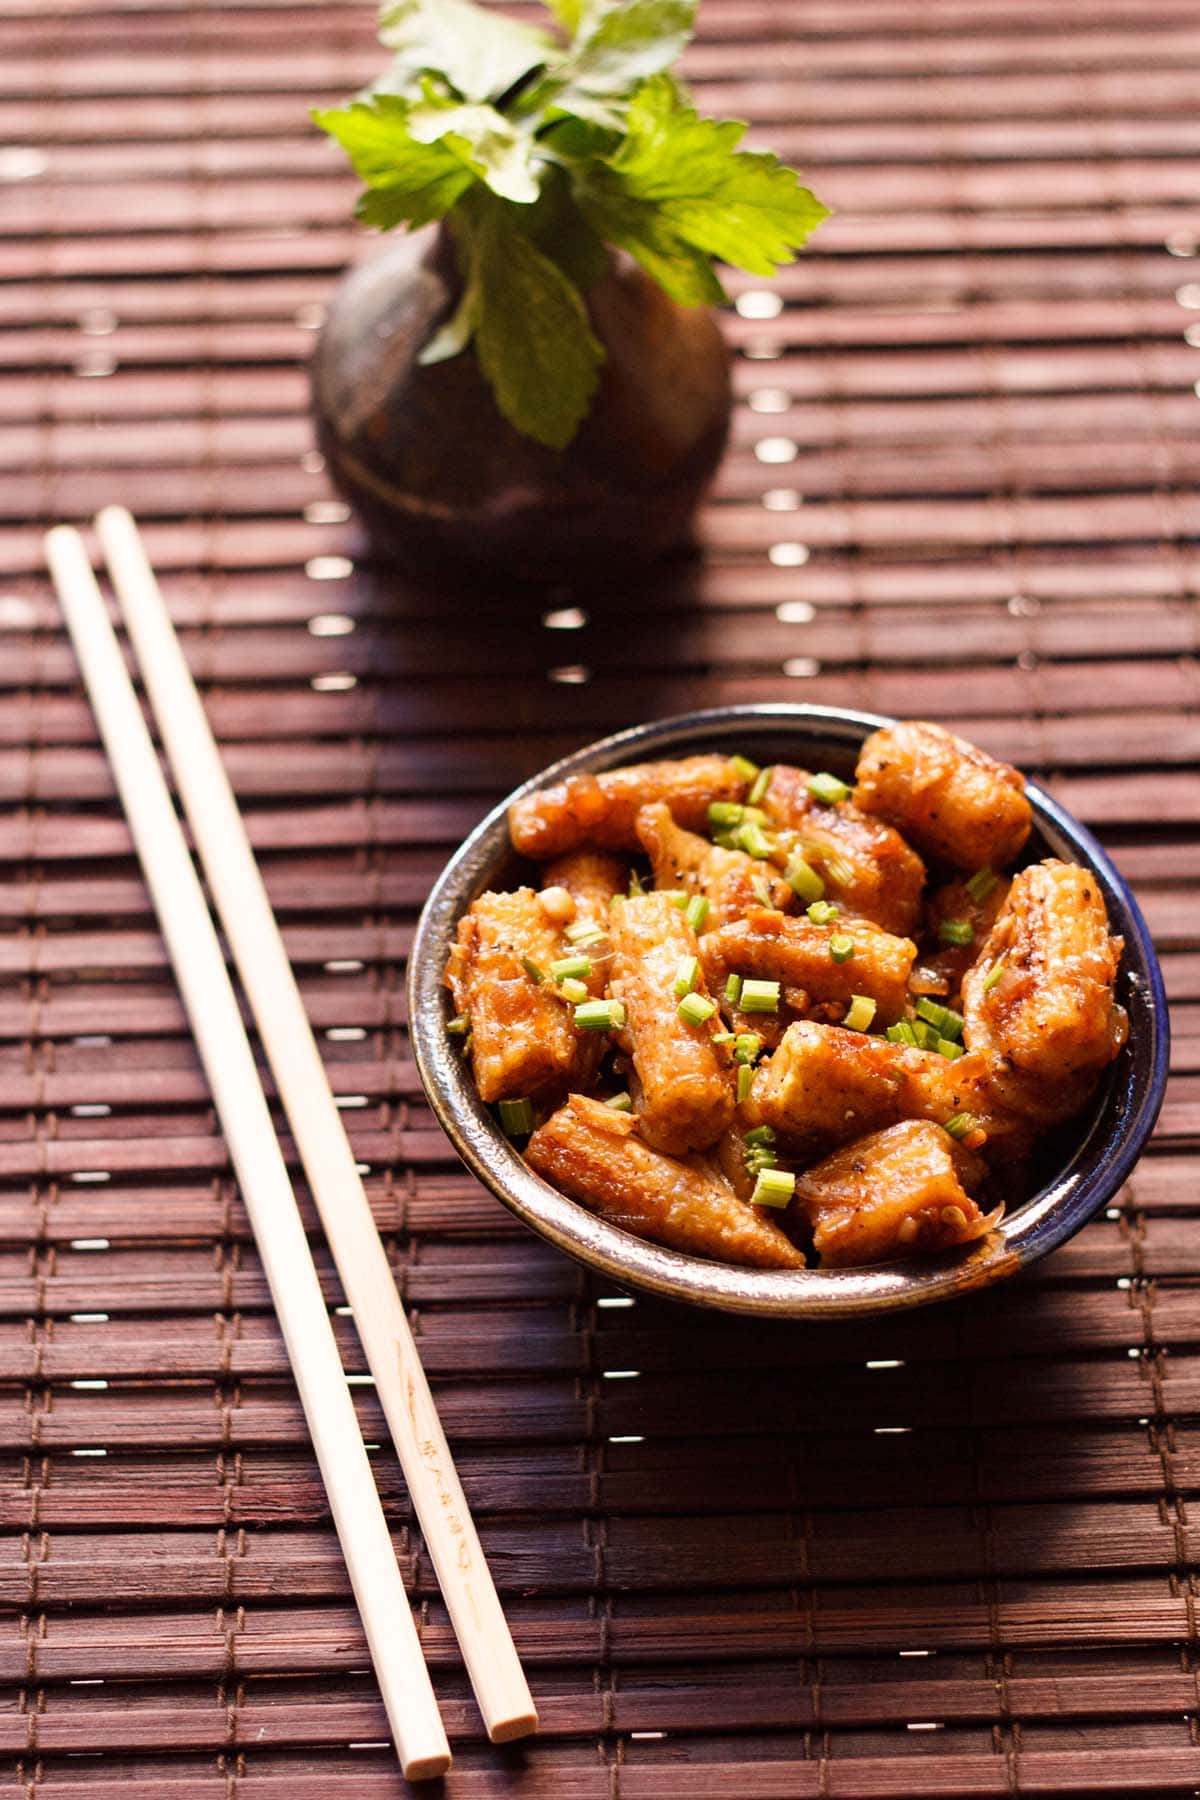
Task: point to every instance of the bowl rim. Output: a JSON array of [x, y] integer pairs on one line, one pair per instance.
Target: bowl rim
[[1120, 1122]]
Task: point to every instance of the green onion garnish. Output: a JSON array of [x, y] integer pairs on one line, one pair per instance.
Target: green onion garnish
[[841, 948], [949, 1049], [583, 932], [981, 885], [948, 1022], [803, 879], [961, 1125], [725, 813], [747, 1047], [568, 966], [762, 892], [838, 869], [600, 1015], [762, 782], [465, 1046], [860, 1013], [745, 1081], [619, 1103], [733, 989], [956, 931], [534, 973], [823, 912], [459, 1026], [761, 1134], [696, 911], [902, 1033], [573, 990], [687, 974], [724, 1037], [516, 1118], [753, 840], [757, 1160], [828, 788], [759, 996], [743, 768], [993, 975], [774, 1187], [926, 1036], [696, 1009], [677, 896], [636, 890]]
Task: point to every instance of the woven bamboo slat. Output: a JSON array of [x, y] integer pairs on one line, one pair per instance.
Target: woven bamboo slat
[[945, 1555]]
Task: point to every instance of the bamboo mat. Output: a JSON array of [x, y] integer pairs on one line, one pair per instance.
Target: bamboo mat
[[948, 1555]]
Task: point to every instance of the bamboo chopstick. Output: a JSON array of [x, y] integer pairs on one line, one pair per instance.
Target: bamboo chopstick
[[263, 1178], [266, 974]]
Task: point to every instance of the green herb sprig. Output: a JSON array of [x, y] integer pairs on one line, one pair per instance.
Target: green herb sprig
[[542, 147]]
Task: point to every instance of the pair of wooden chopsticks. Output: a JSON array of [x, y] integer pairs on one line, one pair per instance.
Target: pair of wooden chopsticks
[[253, 934]]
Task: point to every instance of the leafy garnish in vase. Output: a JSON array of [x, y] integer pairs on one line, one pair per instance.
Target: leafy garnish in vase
[[540, 148]]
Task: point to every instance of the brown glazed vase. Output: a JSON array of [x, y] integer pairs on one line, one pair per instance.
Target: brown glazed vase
[[444, 483]]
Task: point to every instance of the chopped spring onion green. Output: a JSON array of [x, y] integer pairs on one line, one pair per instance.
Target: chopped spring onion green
[[949, 1049], [465, 1046], [745, 1081], [828, 788], [573, 990], [838, 869], [926, 1036], [860, 1013], [619, 1103], [516, 1118], [759, 996], [724, 840], [803, 879], [961, 1125], [841, 948], [534, 973], [584, 934], [762, 892], [568, 966], [956, 931], [751, 838], [724, 813], [981, 884], [733, 989], [687, 974], [696, 911], [600, 1015], [948, 1022], [459, 1027], [756, 1161], [724, 1037], [774, 1187], [761, 1134], [993, 975], [743, 768], [823, 912], [636, 890], [747, 1047], [677, 896], [902, 1033], [696, 1009], [762, 782]]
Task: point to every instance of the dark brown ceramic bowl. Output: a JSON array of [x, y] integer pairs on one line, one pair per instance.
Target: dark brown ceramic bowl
[[1103, 1146]]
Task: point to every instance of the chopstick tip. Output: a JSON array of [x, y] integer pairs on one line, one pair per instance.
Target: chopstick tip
[[426, 1768], [517, 1725]]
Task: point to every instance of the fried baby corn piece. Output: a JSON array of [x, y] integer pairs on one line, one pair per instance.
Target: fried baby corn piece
[[602, 810], [684, 1090], [1039, 1001], [894, 1192], [800, 954], [522, 1035], [825, 1086], [597, 1156], [954, 802], [866, 865], [728, 878]]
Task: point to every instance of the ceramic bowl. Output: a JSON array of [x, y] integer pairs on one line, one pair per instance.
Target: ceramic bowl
[[1102, 1145]]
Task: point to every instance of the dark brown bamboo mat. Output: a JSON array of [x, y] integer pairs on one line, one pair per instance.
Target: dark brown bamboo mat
[[950, 1555]]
